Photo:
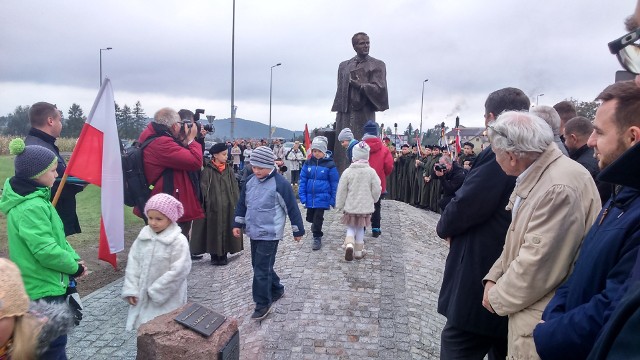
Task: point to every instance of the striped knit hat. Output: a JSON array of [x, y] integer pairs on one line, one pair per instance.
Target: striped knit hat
[[31, 161], [263, 157]]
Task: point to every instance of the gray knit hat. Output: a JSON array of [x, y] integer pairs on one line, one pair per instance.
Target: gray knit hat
[[345, 134], [263, 157], [31, 161], [360, 151], [320, 143]]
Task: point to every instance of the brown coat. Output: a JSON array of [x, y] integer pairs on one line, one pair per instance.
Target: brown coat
[[220, 193], [559, 203]]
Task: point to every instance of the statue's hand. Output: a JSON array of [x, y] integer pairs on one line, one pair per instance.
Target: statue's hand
[[355, 83]]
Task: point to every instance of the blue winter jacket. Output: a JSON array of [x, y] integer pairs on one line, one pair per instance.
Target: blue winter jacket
[[580, 308], [318, 183], [263, 207]]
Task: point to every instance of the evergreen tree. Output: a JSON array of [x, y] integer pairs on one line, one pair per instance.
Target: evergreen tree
[[18, 122], [139, 120], [73, 125]]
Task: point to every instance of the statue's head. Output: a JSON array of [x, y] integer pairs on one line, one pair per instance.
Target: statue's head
[[360, 42]]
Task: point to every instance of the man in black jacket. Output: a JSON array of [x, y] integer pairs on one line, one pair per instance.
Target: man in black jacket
[[576, 134], [451, 177], [46, 125], [475, 223]]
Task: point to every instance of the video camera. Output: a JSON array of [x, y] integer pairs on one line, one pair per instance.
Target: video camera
[[440, 167], [196, 118]]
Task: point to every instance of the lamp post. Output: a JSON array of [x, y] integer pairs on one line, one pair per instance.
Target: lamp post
[[233, 47], [537, 96], [422, 106], [105, 49], [270, 95]]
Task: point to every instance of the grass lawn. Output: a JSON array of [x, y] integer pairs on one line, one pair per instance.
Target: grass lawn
[[87, 208]]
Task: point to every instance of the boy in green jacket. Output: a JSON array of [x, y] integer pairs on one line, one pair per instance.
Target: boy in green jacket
[[36, 235]]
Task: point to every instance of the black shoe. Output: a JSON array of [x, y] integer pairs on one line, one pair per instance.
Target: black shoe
[[317, 243], [215, 260], [375, 232], [196, 256], [262, 313], [223, 260], [278, 296]]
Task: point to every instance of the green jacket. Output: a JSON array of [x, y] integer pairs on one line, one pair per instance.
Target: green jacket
[[36, 239]]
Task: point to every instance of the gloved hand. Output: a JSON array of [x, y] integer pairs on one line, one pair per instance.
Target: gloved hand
[[74, 302]]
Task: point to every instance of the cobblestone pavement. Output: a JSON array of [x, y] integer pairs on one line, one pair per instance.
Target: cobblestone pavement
[[383, 306]]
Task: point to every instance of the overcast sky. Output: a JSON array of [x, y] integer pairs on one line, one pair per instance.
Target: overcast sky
[[178, 54]]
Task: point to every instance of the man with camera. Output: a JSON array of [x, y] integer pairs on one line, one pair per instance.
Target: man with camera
[[169, 159], [451, 177], [296, 158]]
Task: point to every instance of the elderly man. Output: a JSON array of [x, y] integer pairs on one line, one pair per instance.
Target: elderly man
[[475, 222], [451, 177], [46, 125], [578, 311], [169, 158], [361, 91], [576, 134], [553, 205], [551, 117]]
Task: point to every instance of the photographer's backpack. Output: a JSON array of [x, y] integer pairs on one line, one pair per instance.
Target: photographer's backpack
[[136, 188]]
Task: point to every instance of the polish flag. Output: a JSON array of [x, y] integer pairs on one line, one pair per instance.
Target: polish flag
[[96, 159], [458, 147], [307, 141]]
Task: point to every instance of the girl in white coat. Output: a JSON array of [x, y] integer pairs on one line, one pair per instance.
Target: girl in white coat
[[358, 190], [159, 262]]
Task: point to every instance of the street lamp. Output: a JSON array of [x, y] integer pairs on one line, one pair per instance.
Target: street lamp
[[537, 96], [422, 106], [101, 63], [270, 96]]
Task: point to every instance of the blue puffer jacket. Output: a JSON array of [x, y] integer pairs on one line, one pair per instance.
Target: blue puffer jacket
[[318, 183]]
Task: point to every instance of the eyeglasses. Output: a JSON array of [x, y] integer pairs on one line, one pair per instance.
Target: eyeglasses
[[509, 141], [627, 51]]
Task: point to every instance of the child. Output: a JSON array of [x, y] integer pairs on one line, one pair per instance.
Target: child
[[348, 142], [265, 201], [36, 240], [155, 281], [318, 185], [358, 191]]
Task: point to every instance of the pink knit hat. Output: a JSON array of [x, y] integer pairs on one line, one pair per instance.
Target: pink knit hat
[[167, 205]]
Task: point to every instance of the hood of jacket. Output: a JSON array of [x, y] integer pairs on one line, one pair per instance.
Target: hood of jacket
[[375, 144], [624, 170], [17, 191]]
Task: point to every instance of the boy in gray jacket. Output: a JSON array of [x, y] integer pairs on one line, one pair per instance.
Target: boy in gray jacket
[[265, 201]]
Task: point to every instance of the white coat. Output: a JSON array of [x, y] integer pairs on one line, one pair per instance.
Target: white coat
[[157, 270], [359, 188]]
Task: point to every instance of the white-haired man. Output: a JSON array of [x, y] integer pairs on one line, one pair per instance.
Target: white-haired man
[[553, 205], [552, 118]]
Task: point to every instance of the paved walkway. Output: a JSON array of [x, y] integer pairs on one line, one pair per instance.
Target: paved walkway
[[381, 307]]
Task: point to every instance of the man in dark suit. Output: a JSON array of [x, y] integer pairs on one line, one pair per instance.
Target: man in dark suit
[[475, 223]]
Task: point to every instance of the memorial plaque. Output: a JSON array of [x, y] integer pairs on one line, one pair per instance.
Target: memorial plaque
[[200, 319], [231, 351]]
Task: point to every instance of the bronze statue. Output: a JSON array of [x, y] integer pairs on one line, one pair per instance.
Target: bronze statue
[[362, 90]]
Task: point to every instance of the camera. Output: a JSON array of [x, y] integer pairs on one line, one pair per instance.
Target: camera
[[440, 167]]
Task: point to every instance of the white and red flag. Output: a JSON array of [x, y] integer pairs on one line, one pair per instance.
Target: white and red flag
[[97, 160], [458, 147]]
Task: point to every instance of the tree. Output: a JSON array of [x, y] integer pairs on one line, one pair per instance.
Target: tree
[[73, 125], [18, 122], [586, 108], [139, 119], [432, 136], [388, 131], [409, 130]]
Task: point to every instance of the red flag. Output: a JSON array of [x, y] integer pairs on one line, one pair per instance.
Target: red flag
[[307, 141], [458, 147], [96, 159]]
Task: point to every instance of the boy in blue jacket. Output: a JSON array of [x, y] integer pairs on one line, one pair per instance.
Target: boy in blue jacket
[[265, 201], [318, 186]]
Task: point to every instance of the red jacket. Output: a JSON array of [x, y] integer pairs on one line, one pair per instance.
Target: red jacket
[[380, 160], [164, 152]]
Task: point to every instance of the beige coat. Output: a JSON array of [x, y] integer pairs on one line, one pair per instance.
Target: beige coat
[[559, 203]]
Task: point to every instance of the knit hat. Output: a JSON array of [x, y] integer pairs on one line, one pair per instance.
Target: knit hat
[[345, 134], [371, 128], [320, 143], [13, 298], [263, 157], [360, 151], [167, 205], [218, 148], [31, 161]]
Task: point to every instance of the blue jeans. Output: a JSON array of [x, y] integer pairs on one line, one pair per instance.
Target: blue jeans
[[266, 282]]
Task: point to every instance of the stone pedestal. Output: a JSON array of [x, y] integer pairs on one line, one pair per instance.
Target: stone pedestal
[[163, 339]]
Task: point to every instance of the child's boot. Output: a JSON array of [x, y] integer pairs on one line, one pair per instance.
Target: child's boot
[[317, 243], [358, 252], [348, 240]]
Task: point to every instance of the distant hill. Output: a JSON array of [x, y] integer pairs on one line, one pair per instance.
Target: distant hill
[[248, 129]]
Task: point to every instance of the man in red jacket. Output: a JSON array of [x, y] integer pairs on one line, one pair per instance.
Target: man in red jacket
[[381, 161], [169, 158]]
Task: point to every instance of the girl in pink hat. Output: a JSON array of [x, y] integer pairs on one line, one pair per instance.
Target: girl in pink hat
[[155, 281]]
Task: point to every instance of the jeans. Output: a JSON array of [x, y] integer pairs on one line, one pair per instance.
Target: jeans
[[295, 176], [456, 343], [375, 217], [57, 348], [316, 218], [266, 283]]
